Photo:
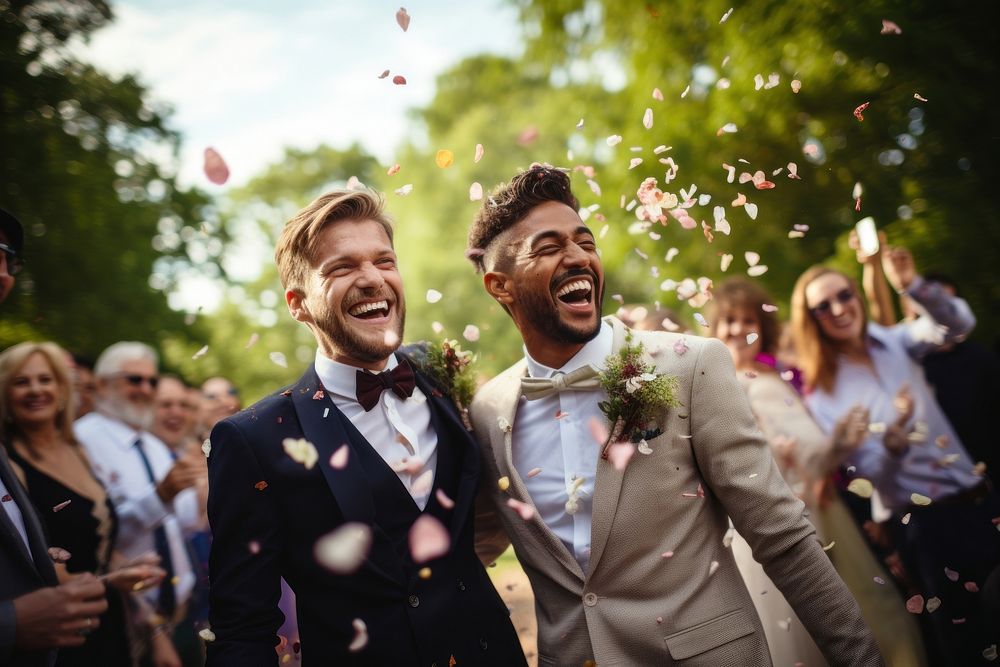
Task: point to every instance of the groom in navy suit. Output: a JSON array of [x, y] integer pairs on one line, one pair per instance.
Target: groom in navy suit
[[363, 438]]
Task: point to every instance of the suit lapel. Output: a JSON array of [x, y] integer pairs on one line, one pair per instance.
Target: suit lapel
[[451, 433], [37, 559], [348, 485], [608, 484], [506, 404]]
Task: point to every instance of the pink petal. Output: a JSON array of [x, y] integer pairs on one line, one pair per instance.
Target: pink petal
[[422, 484], [343, 550], [859, 111], [534, 472], [647, 119], [471, 333], [971, 586], [63, 505], [428, 539], [360, 633], [951, 574], [399, 80], [479, 153], [890, 28], [215, 167], [393, 170], [657, 94], [915, 605], [680, 347], [403, 19], [338, 460], [598, 430], [524, 510], [620, 453], [444, 500], [384, 74]]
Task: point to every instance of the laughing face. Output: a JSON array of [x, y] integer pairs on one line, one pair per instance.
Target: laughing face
[[34, 395], [554, 284], [353, 298], [835, 306]]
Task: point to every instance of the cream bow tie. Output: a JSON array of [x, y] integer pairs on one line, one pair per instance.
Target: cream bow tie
[[585, 377]]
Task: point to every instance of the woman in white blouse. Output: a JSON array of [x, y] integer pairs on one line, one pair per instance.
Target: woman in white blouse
[[744, 320]]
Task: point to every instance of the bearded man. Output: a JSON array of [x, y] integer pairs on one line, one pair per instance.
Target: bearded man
[[627, 557], [337, 482], [151, 490]]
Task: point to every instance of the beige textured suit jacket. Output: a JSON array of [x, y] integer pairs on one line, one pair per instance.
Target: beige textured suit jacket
[[634, 606]]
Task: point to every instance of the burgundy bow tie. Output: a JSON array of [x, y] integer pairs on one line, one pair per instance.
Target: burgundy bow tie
[[371, 385]]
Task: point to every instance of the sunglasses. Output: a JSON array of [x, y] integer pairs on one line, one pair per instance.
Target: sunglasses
[[824, 308], [136, 380], [14, 263]]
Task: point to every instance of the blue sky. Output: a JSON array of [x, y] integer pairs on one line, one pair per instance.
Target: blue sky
[[252, 77]]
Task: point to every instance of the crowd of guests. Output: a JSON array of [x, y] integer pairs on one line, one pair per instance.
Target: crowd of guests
[[879, 425]]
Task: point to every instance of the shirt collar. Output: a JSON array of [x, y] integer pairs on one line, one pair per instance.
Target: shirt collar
[[342, 379], [121, 433], [593, 353]]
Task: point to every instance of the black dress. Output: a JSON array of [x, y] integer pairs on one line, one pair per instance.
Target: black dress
[[87, 531]]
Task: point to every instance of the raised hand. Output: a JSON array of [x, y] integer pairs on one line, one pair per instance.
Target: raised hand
[[188, 470], [58, 616], [850, 431], [139, 574], [899, 267]]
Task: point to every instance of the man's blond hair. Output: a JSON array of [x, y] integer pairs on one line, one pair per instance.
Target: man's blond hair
[[296, 245]]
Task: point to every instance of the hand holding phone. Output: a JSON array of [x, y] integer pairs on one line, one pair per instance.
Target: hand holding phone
[[867, 236]]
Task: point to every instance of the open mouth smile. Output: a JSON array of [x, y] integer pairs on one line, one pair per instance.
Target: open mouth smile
[[370, 310], [577, 293]]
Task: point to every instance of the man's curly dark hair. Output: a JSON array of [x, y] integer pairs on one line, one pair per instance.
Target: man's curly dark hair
[[509, 203]]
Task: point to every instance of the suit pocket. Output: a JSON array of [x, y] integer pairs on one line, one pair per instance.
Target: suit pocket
[[711, 634]]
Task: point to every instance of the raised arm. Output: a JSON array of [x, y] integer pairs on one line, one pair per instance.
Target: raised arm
[[245, 581]]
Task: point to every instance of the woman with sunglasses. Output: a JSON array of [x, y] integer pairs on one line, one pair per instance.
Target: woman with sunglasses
[[36, 417], [805, 455], [941, 504]]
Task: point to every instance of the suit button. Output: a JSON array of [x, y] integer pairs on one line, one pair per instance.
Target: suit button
[[461, 585], [590, 599], [482, 643], [414, 601]]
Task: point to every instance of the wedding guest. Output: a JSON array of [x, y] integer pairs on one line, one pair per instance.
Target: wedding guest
[[84, 384], [741, 319], [219, 399], [625, 553], [172, 416], [37, 614], [942, 505], [36, 413], [152, 491]]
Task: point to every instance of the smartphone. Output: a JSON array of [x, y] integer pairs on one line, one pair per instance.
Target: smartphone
[[867, 236]]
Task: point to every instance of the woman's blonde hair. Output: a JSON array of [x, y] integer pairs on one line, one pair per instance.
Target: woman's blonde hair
[[816, 354], [12, 360]]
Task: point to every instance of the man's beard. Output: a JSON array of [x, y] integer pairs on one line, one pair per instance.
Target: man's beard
[[348, 342], [544, 315], [139, 417]]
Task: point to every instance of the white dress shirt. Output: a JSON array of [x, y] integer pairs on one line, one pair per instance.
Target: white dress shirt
[[562, 447], [110, 444], [938, 465], [397, 429]]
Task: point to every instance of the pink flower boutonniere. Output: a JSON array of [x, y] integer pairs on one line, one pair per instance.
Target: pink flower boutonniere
[[449, 368]]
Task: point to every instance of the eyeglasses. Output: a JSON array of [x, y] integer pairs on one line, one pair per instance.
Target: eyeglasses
[[14, 263], [823, 309], [136, 380]]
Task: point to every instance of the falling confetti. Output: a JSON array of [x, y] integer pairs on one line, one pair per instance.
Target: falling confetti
[[657, 95], [200, 353], [700, 319], [524, 510], [751, 210], [479, 153], [861, 487], [725, 16], [206, 634], [338, 460], [399, 80], [301, 451], [644, 448], [712, 567], [428, 539], [405, 190], [384, 74], [393, 170], [444, 500], [918, 499], [859, 111], [951, 574], [614, 140], [403, 18], [422, 485], [534, 472], [751, 338], [647, 119], [360, 629], [890, 28], [343, 550], [253, 341], [915, 605], [215, 167], [278, 358], [796, 86], [433, 296], [680, 347], [598, 430], [620, 454], [503, 483], [61, 506], [444, 158], [728, 128], [471, 333], [918, 96]]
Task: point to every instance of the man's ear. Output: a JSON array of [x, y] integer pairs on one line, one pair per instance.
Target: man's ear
[[296, 302], [498, 286]]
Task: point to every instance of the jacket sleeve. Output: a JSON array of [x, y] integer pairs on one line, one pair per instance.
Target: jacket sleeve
[[7, 630], [738, 466], [245, 581]]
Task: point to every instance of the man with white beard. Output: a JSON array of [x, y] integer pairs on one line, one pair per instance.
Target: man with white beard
[[151, 490]]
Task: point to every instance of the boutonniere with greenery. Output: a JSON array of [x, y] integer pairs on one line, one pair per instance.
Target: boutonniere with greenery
[[449, 368], [637, 395]]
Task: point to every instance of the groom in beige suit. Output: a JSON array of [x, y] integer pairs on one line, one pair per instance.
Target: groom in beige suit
[[630, 566]]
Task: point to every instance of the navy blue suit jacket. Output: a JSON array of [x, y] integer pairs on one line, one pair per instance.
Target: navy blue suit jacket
[[258, 494]]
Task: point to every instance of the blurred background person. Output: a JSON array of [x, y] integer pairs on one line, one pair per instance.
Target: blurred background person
[[806, 457], [219, 399], [173, 414], [36, 413], [84, 384], [942, 506], [153, 491]]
